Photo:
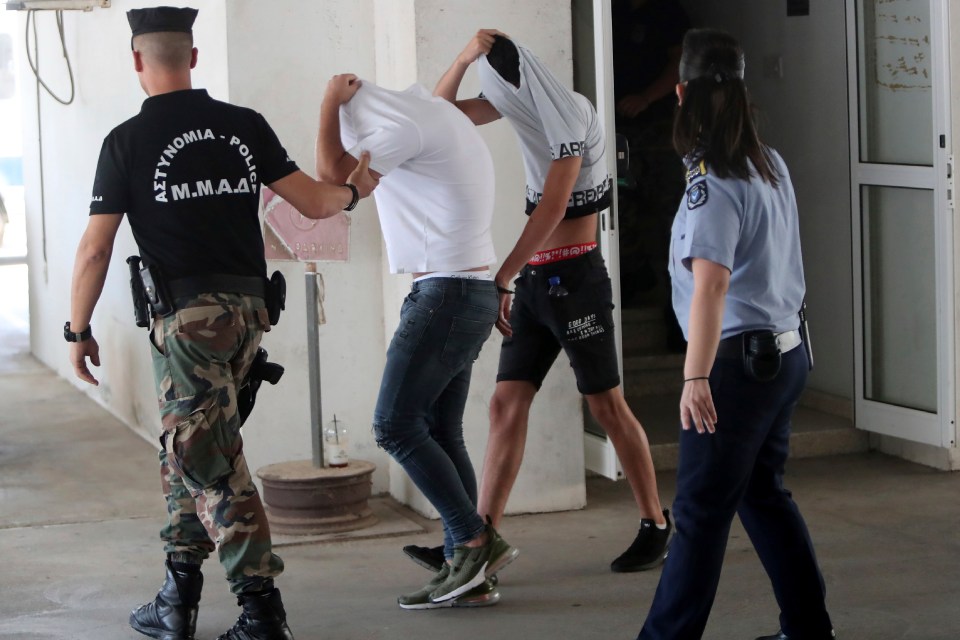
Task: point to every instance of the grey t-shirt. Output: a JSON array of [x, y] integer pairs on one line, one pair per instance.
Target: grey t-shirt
[[552, 122], [751, 228]]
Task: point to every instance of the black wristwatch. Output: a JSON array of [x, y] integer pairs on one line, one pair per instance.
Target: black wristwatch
[[70, 336], [355, 199]]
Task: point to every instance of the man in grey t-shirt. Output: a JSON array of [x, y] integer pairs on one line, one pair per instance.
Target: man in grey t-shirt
[[563, 298]]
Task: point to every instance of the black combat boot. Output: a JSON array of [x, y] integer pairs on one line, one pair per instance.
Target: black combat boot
[[263, 618], [173, 613]]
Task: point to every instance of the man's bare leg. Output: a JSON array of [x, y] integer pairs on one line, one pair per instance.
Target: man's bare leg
[[509, 412], [630, 442]]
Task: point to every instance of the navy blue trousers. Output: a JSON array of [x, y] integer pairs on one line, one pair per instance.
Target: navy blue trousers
[[739, 469]]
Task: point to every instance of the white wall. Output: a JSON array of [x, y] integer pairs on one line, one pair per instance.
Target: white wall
[[804, 116], [276, 58]]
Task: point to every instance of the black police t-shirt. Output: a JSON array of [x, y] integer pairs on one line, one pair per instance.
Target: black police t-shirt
[[187, 171]]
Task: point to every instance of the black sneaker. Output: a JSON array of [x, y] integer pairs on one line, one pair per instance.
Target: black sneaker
[[427, 557], [649, 548]]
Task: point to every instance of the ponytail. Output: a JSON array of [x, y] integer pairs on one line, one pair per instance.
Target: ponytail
[[715, 121]]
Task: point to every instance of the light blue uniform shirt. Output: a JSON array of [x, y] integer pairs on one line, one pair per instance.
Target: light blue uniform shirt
[[751, 228]]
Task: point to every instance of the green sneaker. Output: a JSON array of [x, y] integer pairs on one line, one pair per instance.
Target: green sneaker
[[467, 571], [473, 566], [486, 595], [420, 599], [501, 553]]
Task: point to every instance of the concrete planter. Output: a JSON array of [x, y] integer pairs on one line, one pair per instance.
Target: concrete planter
[[304, 500]]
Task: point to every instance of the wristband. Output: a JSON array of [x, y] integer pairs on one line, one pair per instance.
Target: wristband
[[686, 380], [355, 199], [71, 336], [504, 290]]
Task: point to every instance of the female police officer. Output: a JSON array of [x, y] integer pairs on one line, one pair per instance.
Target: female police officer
[[737, 289]]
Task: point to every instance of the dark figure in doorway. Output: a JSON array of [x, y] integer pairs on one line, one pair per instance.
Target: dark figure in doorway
[[647, 39]]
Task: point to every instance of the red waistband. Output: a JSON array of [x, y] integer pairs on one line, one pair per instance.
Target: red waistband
[[562, 253]]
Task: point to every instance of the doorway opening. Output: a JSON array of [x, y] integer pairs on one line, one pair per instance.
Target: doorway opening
[[646, 38], [649, 191], [643, 44], [14, 310]]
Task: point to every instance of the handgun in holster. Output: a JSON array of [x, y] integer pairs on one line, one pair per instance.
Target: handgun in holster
[[141, 309], [259, 371]]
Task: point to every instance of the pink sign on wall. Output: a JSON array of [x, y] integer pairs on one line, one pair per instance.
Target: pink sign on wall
[[287, 235]]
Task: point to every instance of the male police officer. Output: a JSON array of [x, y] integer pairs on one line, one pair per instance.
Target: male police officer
[[187, 170]]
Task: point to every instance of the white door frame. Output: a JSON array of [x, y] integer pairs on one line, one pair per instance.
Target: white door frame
[[937, 429], [599, 455]]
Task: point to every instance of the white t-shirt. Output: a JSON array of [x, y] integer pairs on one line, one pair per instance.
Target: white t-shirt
[[435, 199]]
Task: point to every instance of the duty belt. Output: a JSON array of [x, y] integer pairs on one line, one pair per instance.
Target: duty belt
[[195, 285], [732, 347]]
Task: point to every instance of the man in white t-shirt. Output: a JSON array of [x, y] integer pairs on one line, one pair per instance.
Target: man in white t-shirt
[[435, 202]]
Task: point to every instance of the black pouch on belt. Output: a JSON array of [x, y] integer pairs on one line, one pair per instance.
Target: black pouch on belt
[[260, 370], [761, 355], [155, 288], [276, 297], [141, 308]]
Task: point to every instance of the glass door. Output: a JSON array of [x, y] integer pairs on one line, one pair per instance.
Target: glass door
[[902, 223]]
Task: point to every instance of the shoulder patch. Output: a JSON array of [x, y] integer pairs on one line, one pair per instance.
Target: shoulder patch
[[697, 195], [696, 171]]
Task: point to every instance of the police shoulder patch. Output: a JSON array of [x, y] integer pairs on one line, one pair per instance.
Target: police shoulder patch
[[697, 195], [694, 172]]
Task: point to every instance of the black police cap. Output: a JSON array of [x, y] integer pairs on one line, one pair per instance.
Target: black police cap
[[161, 19]]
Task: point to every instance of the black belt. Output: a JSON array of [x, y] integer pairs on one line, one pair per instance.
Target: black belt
[[732, 347], [195, 285]]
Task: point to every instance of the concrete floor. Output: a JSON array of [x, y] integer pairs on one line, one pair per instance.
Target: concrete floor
[[80, 511]]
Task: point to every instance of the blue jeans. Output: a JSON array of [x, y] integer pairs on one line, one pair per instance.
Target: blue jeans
[[739, 470], [419, 416]]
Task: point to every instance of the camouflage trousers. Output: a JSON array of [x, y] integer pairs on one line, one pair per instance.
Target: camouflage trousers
[[200, 356]]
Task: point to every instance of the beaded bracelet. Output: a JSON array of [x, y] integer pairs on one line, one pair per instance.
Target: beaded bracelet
[[354, 196]]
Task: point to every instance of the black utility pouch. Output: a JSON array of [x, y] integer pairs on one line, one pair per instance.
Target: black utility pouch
[[141, 310], [761, 355], [276, 297], [155, 287]]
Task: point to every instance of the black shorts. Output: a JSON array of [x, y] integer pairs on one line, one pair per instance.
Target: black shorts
[[581, 323]]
